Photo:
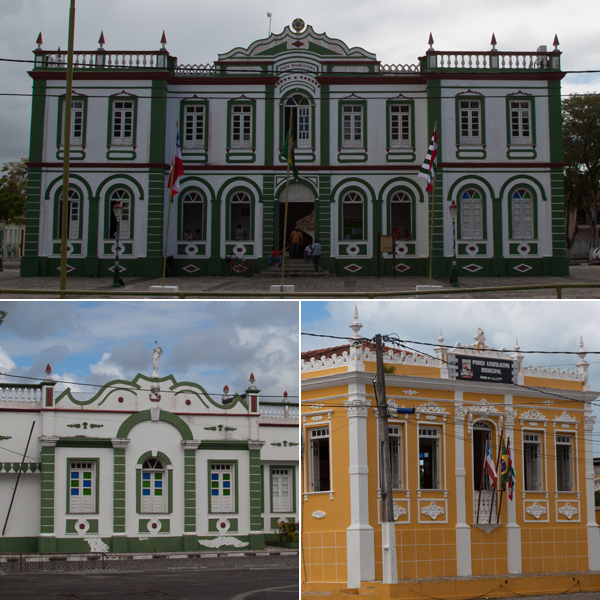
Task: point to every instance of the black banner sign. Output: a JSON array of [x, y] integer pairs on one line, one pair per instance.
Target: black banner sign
[[472, 368]]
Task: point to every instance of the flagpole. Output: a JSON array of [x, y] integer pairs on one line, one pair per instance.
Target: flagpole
[[431, 216], [287, 188]]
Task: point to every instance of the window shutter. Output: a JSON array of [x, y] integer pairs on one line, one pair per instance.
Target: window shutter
[[314, 484]]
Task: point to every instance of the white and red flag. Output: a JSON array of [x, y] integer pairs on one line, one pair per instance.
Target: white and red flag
[[490, 468], [176, 168], [429, 166]]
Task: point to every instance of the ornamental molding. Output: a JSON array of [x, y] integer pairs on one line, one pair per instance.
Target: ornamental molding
[[433, 510], [549, 373], [319, 514], [356, 408], [568, 510], [589, 422], [430, 411], [317, 416], [565, 417], [565, 421], [536, 510], [460, 412], [483, 407], [222, 540], [399, 511], [509, 415], [534, 413], [410, 392]]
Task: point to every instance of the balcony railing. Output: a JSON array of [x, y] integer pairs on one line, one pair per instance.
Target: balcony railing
[[20, 393], [278, 410], [494, 60]]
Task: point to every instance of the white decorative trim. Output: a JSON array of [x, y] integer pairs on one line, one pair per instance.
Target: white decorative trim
[[319, 514], [433, 510], [410, 392], [568, 510], [536, 510], [222, 541], [399, 511], [549, 373]]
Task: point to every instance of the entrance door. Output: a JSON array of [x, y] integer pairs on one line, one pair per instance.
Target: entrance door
[[301, 207]]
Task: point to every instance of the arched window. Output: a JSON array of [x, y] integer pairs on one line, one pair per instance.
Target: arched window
[[240, 213], [153, 486], [401, 216], [124, 198], [482, 433], [471, 215], [297, 108], [522, 214], [74, 216], [192, 216], [352, 216]]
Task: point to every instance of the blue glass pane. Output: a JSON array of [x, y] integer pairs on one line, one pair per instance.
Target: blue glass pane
[[145, 492], [87, 484], [145, 475], [74, 475], [214, 476], [227, 484], [158, 484], [214, 492], [75, 492]]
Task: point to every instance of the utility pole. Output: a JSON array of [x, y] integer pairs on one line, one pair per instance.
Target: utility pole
[[388, 526]]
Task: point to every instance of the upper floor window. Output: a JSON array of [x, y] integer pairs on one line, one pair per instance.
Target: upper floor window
[[122, 122], [429, 458], [400, 126], [319, 469], [482, 435], [564, 463], [470, 122], [82, 487], [520, 122], [78, 108], [395, 434], [241, 126], [532, 458], [298, 111], [522, 213], [471, 215], [352, 126], [194, 134]]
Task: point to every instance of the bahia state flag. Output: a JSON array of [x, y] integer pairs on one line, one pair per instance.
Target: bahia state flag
[[490, 468], [512, 479], [287, 150], [503, 467], [176, 168], [429, 166]]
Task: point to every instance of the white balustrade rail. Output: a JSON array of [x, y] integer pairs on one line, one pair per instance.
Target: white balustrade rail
[[20, 394]]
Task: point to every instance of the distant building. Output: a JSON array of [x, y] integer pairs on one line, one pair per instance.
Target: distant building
[[449, 521], [361, 129], [146, 465]]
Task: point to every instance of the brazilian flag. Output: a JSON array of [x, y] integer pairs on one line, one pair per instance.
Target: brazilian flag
[[288, 150], [503, 467]]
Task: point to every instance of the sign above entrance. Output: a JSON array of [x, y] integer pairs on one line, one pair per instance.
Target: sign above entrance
[[475, 368]]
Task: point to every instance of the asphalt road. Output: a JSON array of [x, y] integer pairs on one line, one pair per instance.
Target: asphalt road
[[250, 578]]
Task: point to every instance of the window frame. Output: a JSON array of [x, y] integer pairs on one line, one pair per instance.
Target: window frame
[[243, 145], [520, 140], [122, 141], [314, 441], [527, 474], [353, 143], [425, 433], [560, 471], [194, 144], [229, 219], [511, 208], [128, 213], [60, 130], [292, 488], [233, 464], [343, 203], [486, 430], [470, 139], [396, 437], [309, 105], [57, 233], [168, 483], [182, 221], [462, 202], [400, 104], [410, 201], [94, 485]]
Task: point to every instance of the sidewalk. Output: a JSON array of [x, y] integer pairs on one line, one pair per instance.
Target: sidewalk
[[13, 286]]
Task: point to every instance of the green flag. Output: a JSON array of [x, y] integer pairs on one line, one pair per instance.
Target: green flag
[[503, 467]]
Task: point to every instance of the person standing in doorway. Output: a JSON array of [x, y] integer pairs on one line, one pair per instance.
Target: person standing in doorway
[[295, 242], [316, 254]]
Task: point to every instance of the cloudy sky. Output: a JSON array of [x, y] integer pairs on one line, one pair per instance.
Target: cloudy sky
[[397, 32], [211, 343], [550, 325]]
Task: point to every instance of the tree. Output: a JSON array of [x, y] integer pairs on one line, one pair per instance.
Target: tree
[[581, 142], [13, 191]]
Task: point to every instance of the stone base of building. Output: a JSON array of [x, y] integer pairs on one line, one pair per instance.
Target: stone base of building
[[462, 588]]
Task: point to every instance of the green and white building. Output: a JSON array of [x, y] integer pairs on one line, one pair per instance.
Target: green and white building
[[147, 465], [362, 130]]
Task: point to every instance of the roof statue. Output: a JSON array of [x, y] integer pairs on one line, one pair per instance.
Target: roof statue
[[156, 355]]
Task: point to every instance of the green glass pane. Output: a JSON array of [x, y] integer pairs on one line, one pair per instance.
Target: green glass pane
[[158, 476], [226, 492], [158, 492], [87, 475], [87, 492], [74, 483], [146, 484], [215, 484], [226, 476]]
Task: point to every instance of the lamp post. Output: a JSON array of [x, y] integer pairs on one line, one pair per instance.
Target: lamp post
[[2, 225], [118, 212], [453, 208]]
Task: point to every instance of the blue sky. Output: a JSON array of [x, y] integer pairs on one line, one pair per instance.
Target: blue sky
[[213, 343]]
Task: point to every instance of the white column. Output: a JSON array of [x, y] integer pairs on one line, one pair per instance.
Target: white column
[[463, 529], [360, 539], [513, 530], [593, 532]]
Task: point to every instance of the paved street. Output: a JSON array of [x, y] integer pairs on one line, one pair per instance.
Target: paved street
[[14, 286], [272, 577]]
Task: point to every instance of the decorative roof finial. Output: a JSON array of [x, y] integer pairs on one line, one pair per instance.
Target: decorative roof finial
[[163, 41], [493, 42], [101, 41], [155, 356], [48, 371], [555, 43], [225, 398], [430, 42], [356, 327], [252, 387], [285, 397], [39, 41]]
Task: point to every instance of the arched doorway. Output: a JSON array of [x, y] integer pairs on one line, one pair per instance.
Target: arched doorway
[[301, 214]]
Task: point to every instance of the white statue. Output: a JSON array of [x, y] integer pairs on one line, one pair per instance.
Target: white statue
[[157, 352]]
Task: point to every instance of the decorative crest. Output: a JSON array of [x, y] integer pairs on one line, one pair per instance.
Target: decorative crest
[[298, 25]]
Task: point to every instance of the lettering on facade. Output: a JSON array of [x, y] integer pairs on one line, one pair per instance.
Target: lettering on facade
[[468, 368]]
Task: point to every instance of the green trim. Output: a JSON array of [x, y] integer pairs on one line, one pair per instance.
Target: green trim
[[166, 417], [189, 491], [235, 469], [325, 105], [119, 491], [165, 526], [256, 496], [233, 525], [38, 119], [71, 526], [48, 457]]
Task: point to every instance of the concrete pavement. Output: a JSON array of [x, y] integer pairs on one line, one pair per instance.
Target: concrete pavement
[[351, 286]]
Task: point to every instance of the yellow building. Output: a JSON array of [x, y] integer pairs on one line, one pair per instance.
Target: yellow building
[[448, 522]]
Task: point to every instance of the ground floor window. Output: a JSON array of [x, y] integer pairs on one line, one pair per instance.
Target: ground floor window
[[401, 216], [240, 221], [222, 493], [154, 486], [281, 490], [352, 216], [82, 487], [192, 217]]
